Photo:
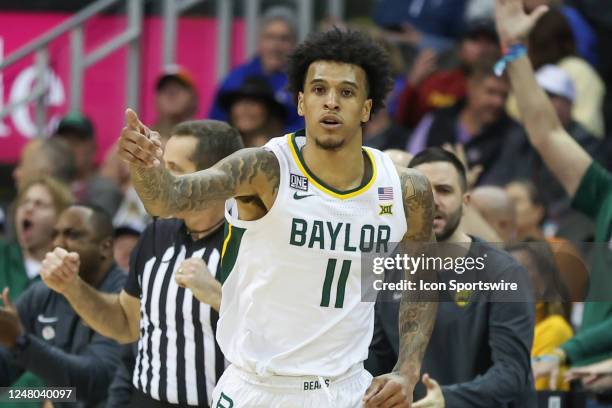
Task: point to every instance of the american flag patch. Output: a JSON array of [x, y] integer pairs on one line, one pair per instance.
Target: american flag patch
[[385, 193]]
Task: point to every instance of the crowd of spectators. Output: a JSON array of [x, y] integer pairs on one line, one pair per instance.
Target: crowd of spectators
[[520, 160]]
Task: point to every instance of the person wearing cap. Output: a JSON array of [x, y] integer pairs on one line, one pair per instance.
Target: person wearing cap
[[254, 111], [188, 249], [552, 42], [176, 100], [561, 92], [277, 38], [78, 131], [427, 88], [586, 182], [87, 186]]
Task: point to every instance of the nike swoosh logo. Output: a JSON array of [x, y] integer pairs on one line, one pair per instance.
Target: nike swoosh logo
[[44, 319], [296, 196]]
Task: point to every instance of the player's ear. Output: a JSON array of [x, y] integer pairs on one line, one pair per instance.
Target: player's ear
[[300, 104], [367, 109]]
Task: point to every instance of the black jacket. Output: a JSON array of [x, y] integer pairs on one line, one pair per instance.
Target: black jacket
[[478, 352], [62, 350]]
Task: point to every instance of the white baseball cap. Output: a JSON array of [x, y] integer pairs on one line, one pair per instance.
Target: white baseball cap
[[556, 81]]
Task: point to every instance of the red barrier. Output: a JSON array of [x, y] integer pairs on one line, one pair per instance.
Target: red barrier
[[104, 83]]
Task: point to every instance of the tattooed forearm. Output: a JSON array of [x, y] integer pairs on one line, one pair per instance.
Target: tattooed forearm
[[416, 320], [418, 206], [418, 309], [245, 173]]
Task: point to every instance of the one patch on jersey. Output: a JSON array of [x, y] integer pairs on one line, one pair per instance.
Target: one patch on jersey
[[298, 182], [385, 193], [386, 209]]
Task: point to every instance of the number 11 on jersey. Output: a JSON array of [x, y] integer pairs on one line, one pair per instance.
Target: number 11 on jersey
[[329, 278]]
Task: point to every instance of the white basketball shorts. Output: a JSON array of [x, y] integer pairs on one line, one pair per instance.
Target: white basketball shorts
[[240, 389]]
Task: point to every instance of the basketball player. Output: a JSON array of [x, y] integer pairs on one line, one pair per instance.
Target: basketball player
[[306, 205]]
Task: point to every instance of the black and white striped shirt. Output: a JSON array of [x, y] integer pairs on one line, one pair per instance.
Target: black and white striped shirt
[[178, 359]]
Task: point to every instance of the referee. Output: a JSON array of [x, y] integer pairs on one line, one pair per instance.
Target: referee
[[178, 361]]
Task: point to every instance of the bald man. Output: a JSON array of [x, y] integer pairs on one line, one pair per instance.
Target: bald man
[[487, 363], [399, 157], [497, 208]]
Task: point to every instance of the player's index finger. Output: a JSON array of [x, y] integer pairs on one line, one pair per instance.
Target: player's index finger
[[132, 121]]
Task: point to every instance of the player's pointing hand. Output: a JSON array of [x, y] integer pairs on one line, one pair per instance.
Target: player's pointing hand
[[139, 146]]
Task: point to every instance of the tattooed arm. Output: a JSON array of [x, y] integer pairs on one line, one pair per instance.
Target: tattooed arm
[[561, 153], [417, 311], [248, 172]]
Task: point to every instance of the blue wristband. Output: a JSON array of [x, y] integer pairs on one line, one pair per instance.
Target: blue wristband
[[547, 358], [514, 52]]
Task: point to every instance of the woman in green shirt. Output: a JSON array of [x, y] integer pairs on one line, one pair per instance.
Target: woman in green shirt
[[38, 205]]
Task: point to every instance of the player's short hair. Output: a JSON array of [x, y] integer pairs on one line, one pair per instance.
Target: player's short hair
[[216, 140], [349, 47], [437, 154]]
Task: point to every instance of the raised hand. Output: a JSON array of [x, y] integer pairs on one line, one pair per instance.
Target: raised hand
[[60, 269], [139, 146], [10, 324], [513, 23], [424, 65]]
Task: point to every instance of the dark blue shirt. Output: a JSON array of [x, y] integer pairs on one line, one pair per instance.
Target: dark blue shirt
[[439, 18], [584, 35], [62, 350]]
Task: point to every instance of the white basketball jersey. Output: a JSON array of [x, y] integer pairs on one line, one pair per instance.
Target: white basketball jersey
[[291, 300]]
